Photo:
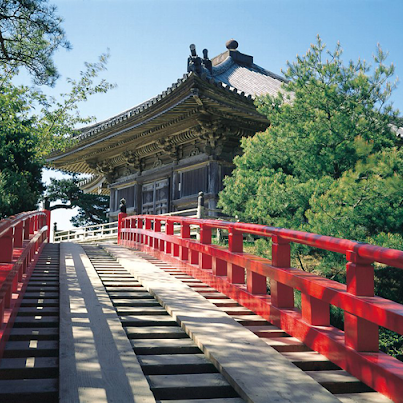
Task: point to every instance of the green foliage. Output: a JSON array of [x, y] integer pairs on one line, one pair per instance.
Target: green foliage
[[329, 163], [20, 169], [30, 32], [92, 208], [31, 123]]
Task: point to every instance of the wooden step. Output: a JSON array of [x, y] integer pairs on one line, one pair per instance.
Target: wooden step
[[29, 368], [164, 346], [40, 294], [175, 364], [310, 361], [29, 391], [339, 381], [125, 289], [155, 332], [31, 348], [190, 386]]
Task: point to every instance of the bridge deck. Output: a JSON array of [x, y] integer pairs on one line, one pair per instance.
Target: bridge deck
[[120, 340]]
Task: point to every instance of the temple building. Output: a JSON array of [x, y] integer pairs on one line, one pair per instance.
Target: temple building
[[160, 154]]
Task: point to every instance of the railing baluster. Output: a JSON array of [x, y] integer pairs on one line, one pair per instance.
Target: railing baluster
[[282, 296], [205, 238], [360, 334], [236, 274]]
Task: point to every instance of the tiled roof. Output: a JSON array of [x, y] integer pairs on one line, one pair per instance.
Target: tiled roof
[[252, 80]]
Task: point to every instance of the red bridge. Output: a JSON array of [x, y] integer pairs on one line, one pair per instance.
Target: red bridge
[[162, 286]]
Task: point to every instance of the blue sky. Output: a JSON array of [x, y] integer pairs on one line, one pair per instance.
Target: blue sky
[[149, 40]]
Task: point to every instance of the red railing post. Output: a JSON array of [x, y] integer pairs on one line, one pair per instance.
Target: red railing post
[[175, 249], [169, 230], [185, 234], [157, 228], [282, 296], [47, 212], [7, 246], [26, 228], [140, 224], [19, 235], [236, 274], [360, 334], [121, 217], [148, 240], [205, 238], [31, 225]]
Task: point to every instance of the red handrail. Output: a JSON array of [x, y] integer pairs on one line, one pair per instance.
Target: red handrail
[[21, 239], [355, 350]]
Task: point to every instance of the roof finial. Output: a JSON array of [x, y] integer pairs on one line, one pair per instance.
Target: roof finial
[[232, 44]]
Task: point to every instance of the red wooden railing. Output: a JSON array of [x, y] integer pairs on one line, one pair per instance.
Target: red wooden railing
[[21, 241], [356, 349]]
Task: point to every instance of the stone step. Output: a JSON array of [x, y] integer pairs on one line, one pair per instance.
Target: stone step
[[155, 332], [164, 346], [250, 320], [221, 400], [154, 310], [148, 320], [31, 348], [40, 301], [29, 368], [268, 331], [286, 344], [51, 333], [40, 294], [190, 386], [366, 397], [213, 295], [130, 295], [224, 302], [38, 310], [135, 302], [29, 391], [125, 289], [42, 288], [339, 381], [240, 310], [310, 361], [36, 321], [175, 364]]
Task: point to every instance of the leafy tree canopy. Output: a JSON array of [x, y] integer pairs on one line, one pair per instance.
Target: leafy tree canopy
[[32, 124], [330, 161], [92, 208], [30, 32]]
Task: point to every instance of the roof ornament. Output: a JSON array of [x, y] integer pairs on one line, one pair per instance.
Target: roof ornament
[[194, 61], [232, 44], [206, 61]]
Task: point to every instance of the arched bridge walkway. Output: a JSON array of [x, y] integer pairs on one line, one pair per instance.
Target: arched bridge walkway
[[151, 320]]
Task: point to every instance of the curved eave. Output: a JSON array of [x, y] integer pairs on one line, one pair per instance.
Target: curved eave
[[178, 107]]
